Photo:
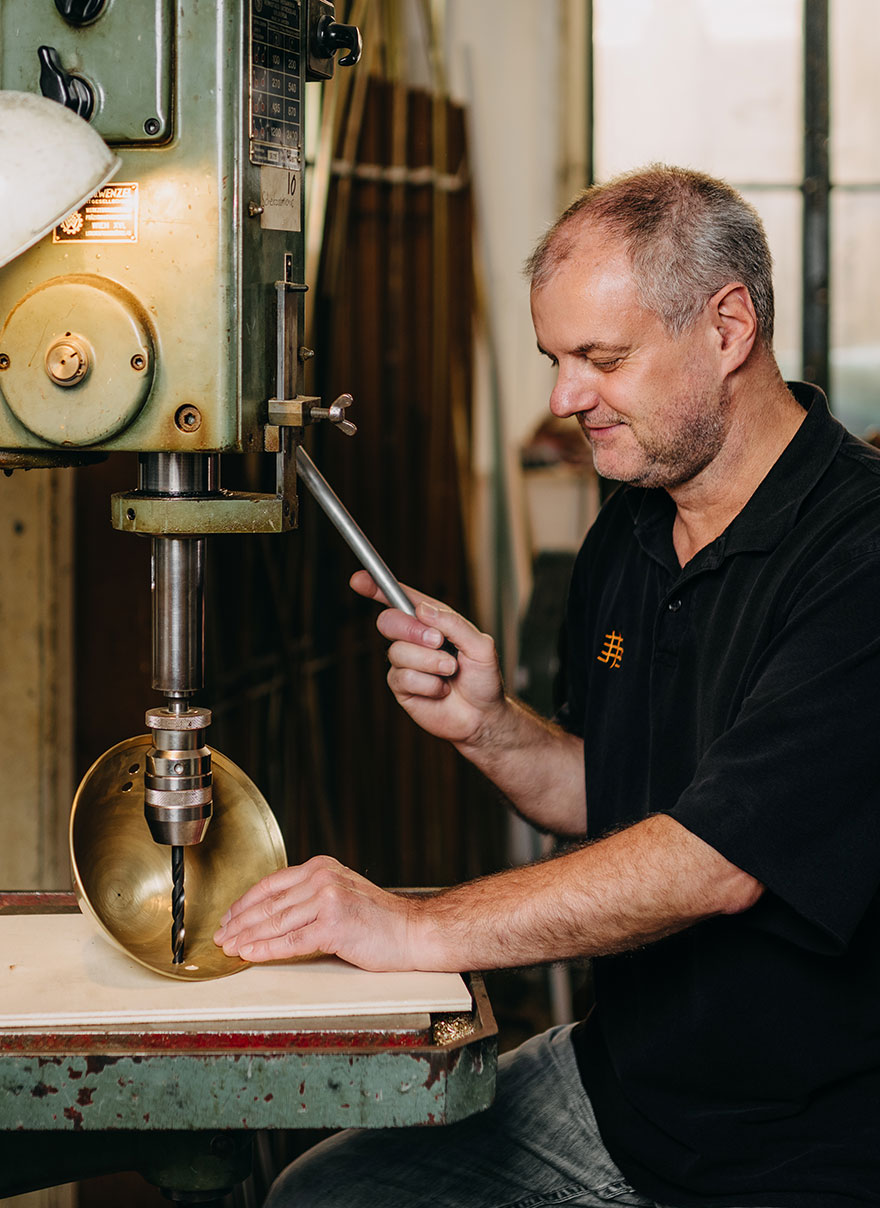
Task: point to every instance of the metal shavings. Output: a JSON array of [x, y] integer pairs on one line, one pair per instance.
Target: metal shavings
[[449, 1028]]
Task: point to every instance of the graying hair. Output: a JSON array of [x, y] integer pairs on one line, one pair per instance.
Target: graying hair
[[687, 235]]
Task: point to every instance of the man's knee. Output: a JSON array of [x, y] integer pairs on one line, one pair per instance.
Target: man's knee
[[327, 1176]]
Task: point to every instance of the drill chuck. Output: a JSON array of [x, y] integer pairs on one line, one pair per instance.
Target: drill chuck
[[177, 777]]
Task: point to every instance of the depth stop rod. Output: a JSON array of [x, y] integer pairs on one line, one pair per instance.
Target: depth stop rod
[[351, 532]]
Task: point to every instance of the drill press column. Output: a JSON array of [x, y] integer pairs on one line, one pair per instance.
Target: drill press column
[[178, 779]]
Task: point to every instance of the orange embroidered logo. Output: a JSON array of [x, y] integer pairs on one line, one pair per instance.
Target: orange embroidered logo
[[612, 651]]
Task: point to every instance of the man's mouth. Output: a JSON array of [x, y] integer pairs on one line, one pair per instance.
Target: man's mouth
[[594, 428]]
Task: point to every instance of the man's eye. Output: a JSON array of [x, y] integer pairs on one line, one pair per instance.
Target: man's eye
[[606, 366]]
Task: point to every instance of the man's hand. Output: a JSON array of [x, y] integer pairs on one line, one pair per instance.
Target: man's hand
[[320, 907], [537, 765], [457, 698]]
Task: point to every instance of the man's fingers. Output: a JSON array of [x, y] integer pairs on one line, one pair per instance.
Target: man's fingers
[[406, 683], [261, 899], [398, 626], [419, 658], [286, 918], [270, 885], [433, 625], [458, 630], [365, 585], [281, 947]]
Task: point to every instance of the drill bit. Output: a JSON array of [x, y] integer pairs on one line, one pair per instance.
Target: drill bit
[[177, 900]]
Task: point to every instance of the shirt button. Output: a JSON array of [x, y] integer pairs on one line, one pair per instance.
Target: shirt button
[[674, 605]]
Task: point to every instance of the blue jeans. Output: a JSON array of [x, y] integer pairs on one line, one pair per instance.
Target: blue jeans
[[538, 1144]]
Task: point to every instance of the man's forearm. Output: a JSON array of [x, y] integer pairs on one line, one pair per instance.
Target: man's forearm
[[537, 765], [636, 886], [624, 891]]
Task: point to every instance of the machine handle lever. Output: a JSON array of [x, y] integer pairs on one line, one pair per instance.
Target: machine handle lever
[[330, 36], [80, 12], [59, 85]]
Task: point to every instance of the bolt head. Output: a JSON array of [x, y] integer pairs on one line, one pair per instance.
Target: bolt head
[[188, 418], [67, 361]]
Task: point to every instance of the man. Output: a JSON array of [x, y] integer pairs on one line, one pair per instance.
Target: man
[[716, 750]]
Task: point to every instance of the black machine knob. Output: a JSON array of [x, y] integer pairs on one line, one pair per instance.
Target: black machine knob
[[80, 12], [329, 37], [59, 85]]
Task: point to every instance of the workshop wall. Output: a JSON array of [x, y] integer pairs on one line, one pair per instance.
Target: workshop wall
[[36, 587]]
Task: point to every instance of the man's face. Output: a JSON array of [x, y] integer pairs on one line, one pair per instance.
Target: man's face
[[653, 406]]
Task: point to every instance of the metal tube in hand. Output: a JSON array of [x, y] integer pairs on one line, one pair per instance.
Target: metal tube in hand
[[355, 537], [351, 532]]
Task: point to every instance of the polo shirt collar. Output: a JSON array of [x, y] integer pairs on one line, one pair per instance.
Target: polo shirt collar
[[773, 508]]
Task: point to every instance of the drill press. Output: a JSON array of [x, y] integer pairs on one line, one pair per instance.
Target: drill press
[[164, 316]]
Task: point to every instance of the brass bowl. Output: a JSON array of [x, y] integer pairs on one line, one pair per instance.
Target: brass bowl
[[123, 879]]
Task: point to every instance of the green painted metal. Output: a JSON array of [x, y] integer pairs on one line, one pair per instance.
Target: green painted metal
[[127, 52], [251, 1090], [204, 266], [236, 512]]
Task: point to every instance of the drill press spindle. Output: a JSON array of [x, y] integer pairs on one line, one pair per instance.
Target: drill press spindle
[[178, 777]]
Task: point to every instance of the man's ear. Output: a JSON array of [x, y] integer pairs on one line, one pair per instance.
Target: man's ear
[[733, 317]]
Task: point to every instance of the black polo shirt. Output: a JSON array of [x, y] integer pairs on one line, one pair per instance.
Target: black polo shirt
[[738, 1062]]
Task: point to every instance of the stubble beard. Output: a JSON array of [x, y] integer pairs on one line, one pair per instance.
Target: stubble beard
[[670, 460]]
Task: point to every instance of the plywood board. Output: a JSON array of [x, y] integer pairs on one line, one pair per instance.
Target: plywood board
[[57, 970]]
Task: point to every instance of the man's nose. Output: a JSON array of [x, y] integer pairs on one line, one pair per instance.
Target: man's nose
[[569, 396]]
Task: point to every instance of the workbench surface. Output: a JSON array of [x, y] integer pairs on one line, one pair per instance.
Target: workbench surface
[[269, 1073]]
